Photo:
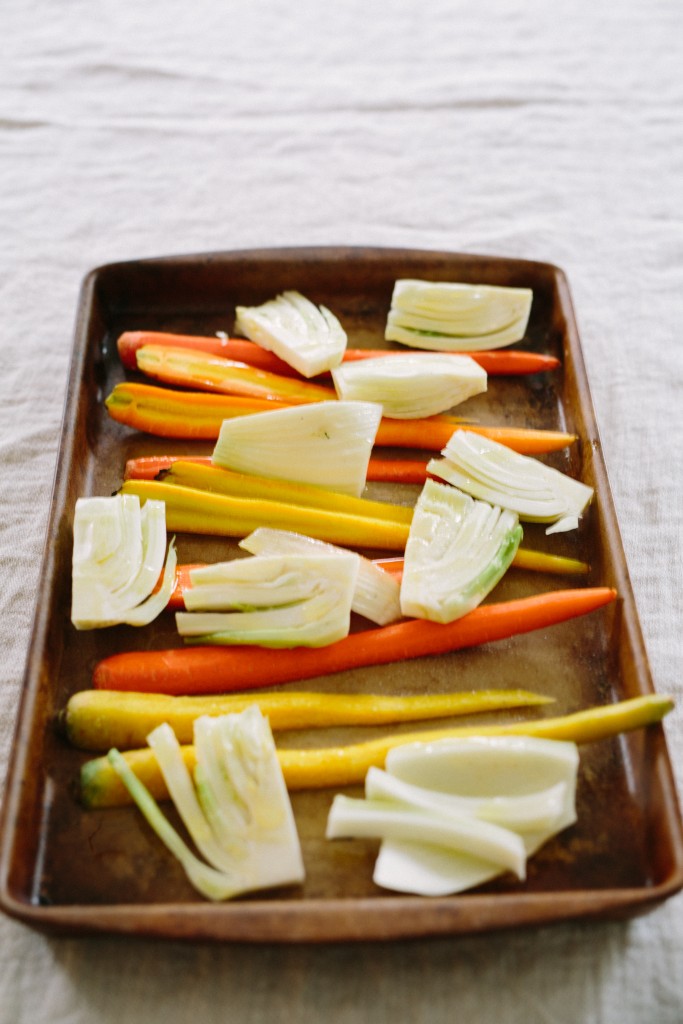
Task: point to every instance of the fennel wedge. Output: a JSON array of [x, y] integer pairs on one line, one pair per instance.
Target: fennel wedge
[[327, 444], [411, 385], [376, 593], [119, 554], [457, 317], [307, 337], [457, 550], [455, 813], [234, 805], [289, 600]]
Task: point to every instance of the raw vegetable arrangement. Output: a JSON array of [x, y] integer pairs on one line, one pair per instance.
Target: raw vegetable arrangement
[[328, 580]]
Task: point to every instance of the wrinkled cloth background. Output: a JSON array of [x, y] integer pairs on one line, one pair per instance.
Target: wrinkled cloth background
[[552, 132]]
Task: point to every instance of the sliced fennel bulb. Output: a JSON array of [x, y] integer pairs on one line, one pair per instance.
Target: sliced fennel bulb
[[411, 385], [463, 833], [521, 786], [118, 556], [483, 767], [457, 551], [376, 594], [237, 811], [308, 337], [493, 472], [287, 600], [457, 317], [524, 813], [325, 443]]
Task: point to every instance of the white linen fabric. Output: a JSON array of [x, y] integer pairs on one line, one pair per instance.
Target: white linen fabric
[[525, 129]]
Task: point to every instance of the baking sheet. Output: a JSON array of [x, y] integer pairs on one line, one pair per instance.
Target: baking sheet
[[66, 869]]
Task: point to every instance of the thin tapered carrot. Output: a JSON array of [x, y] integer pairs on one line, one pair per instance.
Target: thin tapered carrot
[[198, 415], [497, 363], [435, 432], [148, 467], [190, 369], [512, 362], [525, 558], [380, 470], [189, 510], [229, 348], [195, 670], [398, 471], [348, 765], [181, 414], [323, 767], [541, 561], [535, 561], [217, 480], [101, 719]]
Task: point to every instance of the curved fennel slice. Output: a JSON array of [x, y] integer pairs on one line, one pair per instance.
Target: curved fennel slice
[[455, 316], [290, 600], [493, 472], [457, 551], [307, 337], [484, 767], [411, 385], [376, 594], [527, 812], [119, 554], [326, 443], [463, 833]]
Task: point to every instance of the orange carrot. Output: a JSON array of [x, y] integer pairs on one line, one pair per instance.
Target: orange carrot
[[508, 362], [434, 433], [195, 670], [198, 416], [229, 348], [176, 601], [399, 471], [392, 565], [498, 363], [183, 414], [147, 467], [537, 561]]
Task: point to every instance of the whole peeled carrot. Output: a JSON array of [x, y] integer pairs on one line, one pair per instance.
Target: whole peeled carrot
[[194, 670], [397, 471], [198, 415], [434, 434], [229, 348], [535, 561], [194, 415], [508, 363], [101, 719], [525, 558], [321, 767]]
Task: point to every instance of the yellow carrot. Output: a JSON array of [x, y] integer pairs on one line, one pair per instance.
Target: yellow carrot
[[541, 561], [189, 510], [185, 473], [100, 719], [318, 768], [525, 558]]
